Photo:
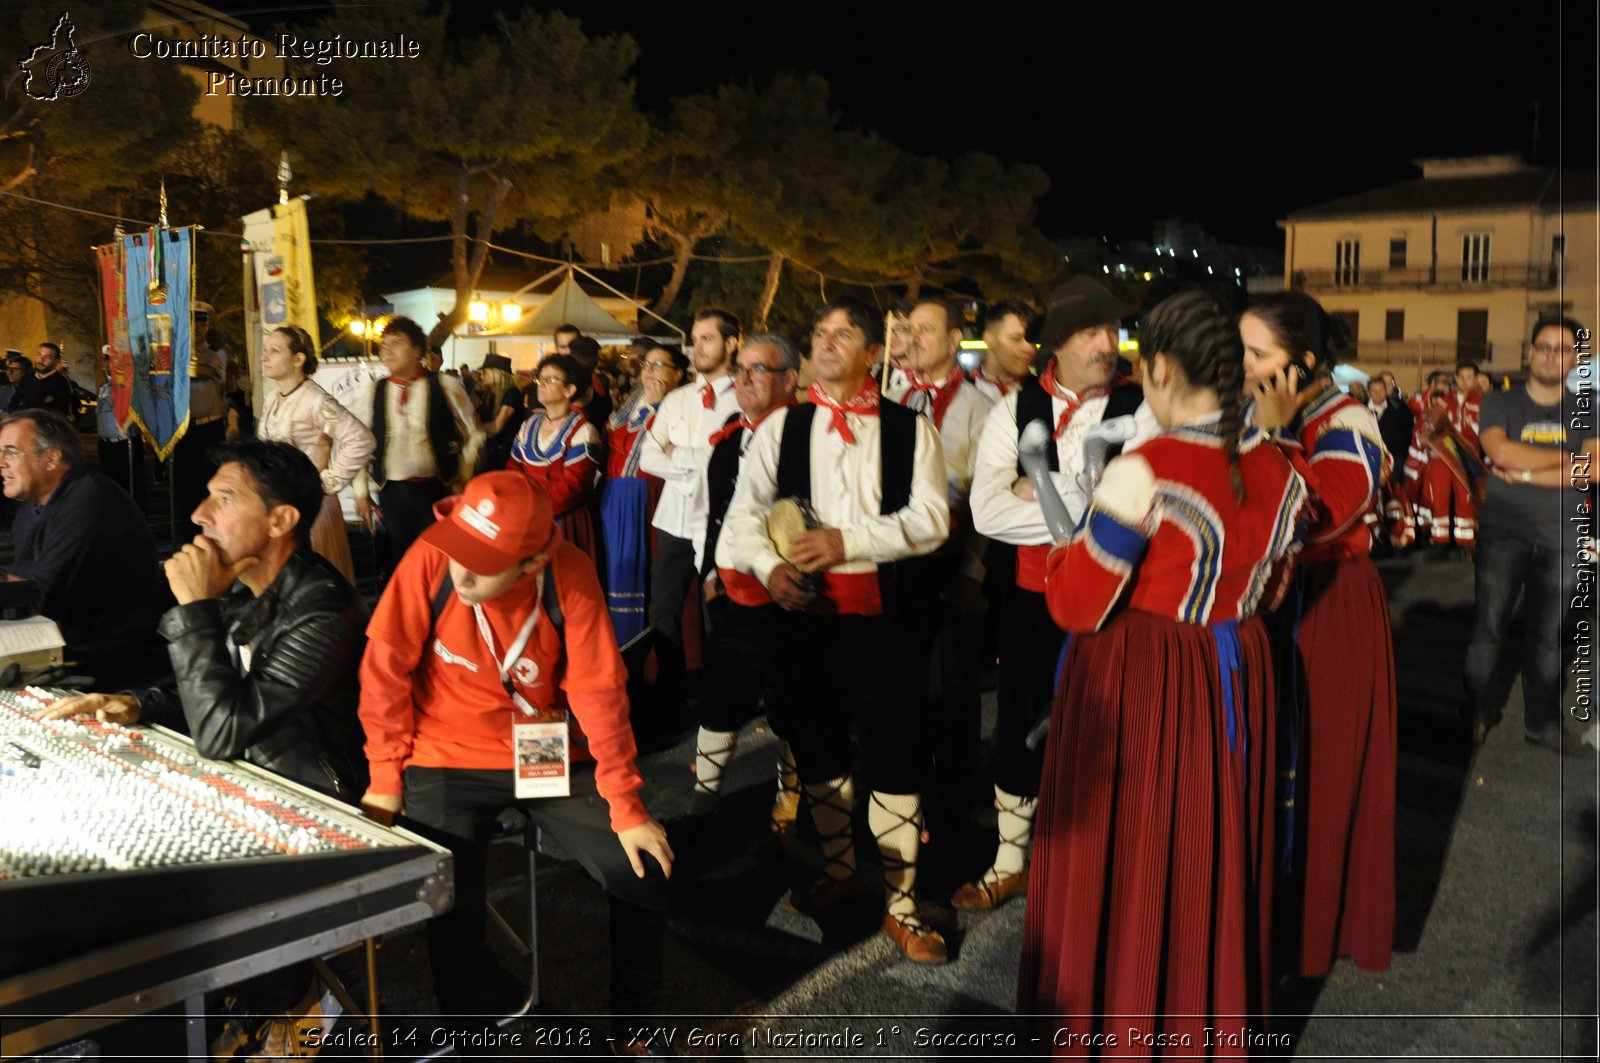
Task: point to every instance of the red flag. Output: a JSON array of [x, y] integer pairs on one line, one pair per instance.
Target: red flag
[[114, 298]]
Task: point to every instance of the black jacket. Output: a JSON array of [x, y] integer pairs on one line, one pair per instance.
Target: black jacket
[[293, 709], [1394, 427]]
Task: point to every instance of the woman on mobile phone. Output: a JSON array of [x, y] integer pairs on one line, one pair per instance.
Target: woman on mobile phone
[[1334, 648]]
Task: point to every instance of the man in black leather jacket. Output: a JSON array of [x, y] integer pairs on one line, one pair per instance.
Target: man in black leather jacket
[[266, 638]]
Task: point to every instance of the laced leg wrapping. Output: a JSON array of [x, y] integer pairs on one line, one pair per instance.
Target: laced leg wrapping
[[786, 803], [712, 751], [831, 805], [1014, 824], [896, 823]]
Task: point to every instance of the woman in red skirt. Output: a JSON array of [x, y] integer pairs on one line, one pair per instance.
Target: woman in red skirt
[[1335, 650], [560, 449], [1147, 930]]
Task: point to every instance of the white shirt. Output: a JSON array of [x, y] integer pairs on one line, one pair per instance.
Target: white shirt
[[963, 424], [406, 452], [998, 513], [683, 421], [846, 493]]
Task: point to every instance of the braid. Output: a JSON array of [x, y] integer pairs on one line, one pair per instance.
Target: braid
[[1193, 331]]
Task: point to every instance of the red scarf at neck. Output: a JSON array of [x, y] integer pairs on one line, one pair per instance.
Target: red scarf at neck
[[745, 423], [1048, 382], [941, 393], [404, 384], [863, 403]]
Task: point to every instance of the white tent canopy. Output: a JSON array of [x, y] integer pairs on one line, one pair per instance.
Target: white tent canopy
[[567, 305]]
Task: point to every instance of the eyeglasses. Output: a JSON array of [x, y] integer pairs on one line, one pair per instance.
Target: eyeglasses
[[13, 453], [660, 367], [551, 380], [1553, 348], [756, 372]]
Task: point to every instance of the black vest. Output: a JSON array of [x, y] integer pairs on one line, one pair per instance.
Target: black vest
[[898, 426], [1033, 404], [443, 437], [722, 476]]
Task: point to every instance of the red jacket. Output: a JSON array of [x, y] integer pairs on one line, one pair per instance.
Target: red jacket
[[433, 698]]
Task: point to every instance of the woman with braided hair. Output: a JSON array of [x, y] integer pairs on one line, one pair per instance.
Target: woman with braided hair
[[1149, 895], [300, 413], [1335, 650]]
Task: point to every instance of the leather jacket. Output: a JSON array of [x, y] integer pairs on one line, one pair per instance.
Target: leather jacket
[[288, 702]]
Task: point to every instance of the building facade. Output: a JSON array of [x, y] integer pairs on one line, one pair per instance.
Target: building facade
[[1455, 266]]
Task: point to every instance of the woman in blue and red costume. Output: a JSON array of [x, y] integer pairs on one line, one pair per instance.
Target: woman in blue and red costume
[[560, 451], [1334, 647], [1150, 888]]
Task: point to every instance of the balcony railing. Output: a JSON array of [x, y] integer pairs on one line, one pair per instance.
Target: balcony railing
[[1419, 353], [1534, 276]]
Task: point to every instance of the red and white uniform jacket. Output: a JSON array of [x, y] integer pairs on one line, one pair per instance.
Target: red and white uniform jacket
[[1341, 457], [1165, 534]]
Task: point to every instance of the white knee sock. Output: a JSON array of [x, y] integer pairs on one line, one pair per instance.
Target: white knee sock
[[1014, 823], [712, 751], [896, 822], [786, 804]]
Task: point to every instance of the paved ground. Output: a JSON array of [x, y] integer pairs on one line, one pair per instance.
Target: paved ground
[[1495, 946]]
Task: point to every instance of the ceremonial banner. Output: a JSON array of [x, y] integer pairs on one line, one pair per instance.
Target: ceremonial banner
[[158, 268], [279, 289], [114, 299]]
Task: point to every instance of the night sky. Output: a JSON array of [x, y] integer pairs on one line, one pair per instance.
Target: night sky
[[1230, 115]]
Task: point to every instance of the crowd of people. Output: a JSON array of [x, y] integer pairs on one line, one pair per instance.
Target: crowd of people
[[1194, 756]]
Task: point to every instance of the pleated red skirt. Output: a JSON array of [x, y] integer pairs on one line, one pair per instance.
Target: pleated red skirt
[[580, 528], [1347, 760], [1149, 898]]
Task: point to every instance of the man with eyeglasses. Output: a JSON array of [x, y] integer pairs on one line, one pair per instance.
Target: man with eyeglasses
[[86, 546], [1542, 445], [21, 387], [872, 475], [741, 658], [677, 445]]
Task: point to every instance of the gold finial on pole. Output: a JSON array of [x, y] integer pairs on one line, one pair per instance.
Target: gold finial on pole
[[163, 202], [284, 173]]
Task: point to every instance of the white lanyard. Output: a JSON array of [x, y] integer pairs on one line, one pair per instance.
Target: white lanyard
[[503, 667]]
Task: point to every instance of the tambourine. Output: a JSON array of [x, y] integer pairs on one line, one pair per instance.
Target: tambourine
[[790, 517]]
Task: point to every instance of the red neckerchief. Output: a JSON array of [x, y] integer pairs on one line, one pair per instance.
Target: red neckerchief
[[942, 393], [708, 396], [1001, 386], [745, 423], [863, 403], [1048, 382], [404, 384]]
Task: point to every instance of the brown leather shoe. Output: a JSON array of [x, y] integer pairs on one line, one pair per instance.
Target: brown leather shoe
[[920, 944], [982, 896]]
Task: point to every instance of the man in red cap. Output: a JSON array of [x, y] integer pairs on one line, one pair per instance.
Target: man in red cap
[[492, 678]]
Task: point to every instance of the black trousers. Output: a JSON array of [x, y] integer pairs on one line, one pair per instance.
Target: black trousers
[[943, 671], [1030, 648], [851, 681], [741, 667], [457, 808], [407, 511], [672, 577]]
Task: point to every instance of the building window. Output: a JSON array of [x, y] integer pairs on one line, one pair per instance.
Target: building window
[[1347, 262], [1558, 246], [1352, 323], [1394, 325], [1475, 258], [1397, 254]]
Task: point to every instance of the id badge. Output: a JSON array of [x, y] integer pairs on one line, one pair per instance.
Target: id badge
[[543, 759]]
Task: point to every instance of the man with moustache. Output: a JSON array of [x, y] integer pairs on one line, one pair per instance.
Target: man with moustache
[[1076, 392], [874, 478], [741, 658], [677, 446], [1008, 362]]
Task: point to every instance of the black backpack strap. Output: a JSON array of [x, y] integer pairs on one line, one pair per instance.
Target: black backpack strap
[[794, 453], [1033, 404], [550, 599]]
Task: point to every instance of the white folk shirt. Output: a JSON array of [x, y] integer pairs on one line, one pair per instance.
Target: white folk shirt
[[684, 422], [963, 424], [846, 493], [407, 454], [998, 513]]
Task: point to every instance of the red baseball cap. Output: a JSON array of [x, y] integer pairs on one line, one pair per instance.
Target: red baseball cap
[[501, 518]]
